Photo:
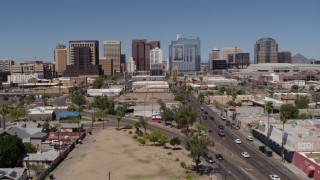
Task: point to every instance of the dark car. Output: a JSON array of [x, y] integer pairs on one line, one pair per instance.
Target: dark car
[[205, 117], [209, 130], [221, 133], [211, 118], [209, 159], [219, 157], [206, 112], [221, 127]]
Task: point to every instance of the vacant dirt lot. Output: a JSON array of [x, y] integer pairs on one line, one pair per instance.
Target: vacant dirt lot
[[116, 151]]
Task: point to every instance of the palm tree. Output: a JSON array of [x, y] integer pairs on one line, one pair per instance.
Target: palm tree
[[201, 98], [269, 108], [4, 110], [201, 79], [284, 116]]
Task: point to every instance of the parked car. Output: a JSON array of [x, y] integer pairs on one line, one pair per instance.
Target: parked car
[[274, 177], [216, 170], [223, 118], [209, 159], [205, 112], [211, 118], [245, 154], [238, 141], [205, 117], [249, 138], [220, 127], [219, 157], [221, 133]]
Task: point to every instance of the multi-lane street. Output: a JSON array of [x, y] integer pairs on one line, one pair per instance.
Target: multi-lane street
[[258, 166]]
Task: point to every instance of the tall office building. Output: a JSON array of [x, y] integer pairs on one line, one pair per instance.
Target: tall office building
[[123, 63], [5, 65], [93, 51], [284, 57], [156, 68], [131, 67], [239, 60], [141, 53], [225, 52], [112, 50], [106, 66], [184, 54], [60, 59], [265, 51], [214, 54], [83, 59]]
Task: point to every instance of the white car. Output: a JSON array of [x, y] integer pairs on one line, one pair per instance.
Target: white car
[[238, 141], [249, 138], [274, 177], [223, 118], [245, 154]]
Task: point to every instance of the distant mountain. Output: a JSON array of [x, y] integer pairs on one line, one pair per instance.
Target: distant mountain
[[300, 59]]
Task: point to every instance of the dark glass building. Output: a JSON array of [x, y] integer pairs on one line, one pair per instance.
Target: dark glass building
[[218, 64], [284, 57]]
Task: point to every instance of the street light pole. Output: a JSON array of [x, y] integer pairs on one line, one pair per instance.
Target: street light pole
[[109, 174]]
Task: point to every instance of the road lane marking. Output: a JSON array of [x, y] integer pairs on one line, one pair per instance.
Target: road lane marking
[[247, 173]]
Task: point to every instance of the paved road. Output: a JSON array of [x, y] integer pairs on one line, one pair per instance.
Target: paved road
[[61, 100], [257, 167]]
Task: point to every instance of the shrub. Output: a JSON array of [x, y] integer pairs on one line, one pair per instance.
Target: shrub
[[128, 126], [34, 120], [183, 165], [141, 140], [188, 178], [169, 153], [130, 132], [135, 137]]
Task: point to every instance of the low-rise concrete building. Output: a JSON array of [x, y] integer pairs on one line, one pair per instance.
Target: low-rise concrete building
[[16, 173], [150, 86], [104, 92]]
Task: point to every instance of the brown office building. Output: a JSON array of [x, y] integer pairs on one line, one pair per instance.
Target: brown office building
[[107, 66], [266, 51], [239, 60], [284, 57], [84, 62], [60, 59], [93, 53], [112, 50], [141, 53]]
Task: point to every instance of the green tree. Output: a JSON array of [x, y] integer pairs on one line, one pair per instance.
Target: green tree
[[4, 110], [72, 107], [162, 105], [305, 116], [29, 148], [199, 127], [17, 113], [78, 99], [155, 136], [46, 125], [294, 88], [290, 110], [302, 102], [316, 98], [284, 116], [201, 79], [221, 90], [163, 140], [175, 141], [98, 83], [201, 98], [11, 147], [120, 112], [269, 108], [167, 115], [198, 146], [144, 124], [100, 102], [178, 98]]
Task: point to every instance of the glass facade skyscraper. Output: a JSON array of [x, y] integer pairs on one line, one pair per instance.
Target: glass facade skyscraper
[[184, 54]]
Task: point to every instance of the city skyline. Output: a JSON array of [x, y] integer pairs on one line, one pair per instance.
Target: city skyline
[[32, 29]]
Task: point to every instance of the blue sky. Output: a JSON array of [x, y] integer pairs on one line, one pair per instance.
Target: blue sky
[[31, 29]]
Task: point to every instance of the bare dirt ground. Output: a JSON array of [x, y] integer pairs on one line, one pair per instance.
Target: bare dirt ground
[[118, 153]]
